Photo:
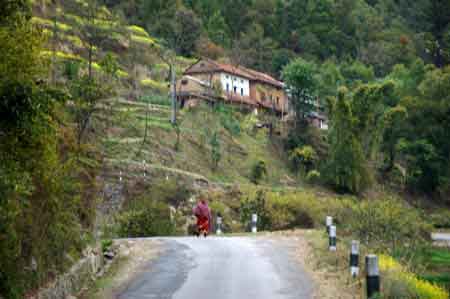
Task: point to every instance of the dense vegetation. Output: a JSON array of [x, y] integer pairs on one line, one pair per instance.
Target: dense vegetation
[[46, 193]]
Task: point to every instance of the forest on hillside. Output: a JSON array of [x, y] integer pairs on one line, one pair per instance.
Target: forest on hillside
[[266, 34]]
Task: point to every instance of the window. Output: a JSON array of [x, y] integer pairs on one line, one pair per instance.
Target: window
[[278, 100], [227, 76], [242, 92], [228, 87], [235, 89], [242, 81], [271, 98]]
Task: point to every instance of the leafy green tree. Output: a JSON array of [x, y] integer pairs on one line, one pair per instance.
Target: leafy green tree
[[303, 158], [86, 94], [218, 30], [393, 130], [186, 31], [259, 171], [302, 84], [216, 154], [346, 167], [256, 49]]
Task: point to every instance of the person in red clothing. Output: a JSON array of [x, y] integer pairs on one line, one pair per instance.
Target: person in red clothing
[[203, 215]]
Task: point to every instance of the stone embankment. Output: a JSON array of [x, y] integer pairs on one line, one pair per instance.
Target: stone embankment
[[92, 265]]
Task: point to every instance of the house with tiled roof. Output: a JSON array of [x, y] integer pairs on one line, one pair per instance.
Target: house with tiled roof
[[208, 80]]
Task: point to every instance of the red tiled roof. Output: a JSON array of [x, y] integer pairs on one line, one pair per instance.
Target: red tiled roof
[[240, 71]]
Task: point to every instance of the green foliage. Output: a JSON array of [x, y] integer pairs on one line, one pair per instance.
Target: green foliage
[[106, 245], [256, 205], [109, 65], [259, 171], [156, 99], [299, 77], [387, 224], [303, 158], [313, 176], [44, 209], [71, 70], [216, 154], [146, 218], [228, 119], [346, 166]]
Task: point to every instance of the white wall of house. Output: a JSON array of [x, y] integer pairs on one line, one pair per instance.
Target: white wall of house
[[235, 85]]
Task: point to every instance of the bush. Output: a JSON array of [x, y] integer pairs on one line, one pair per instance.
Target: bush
[[303, 158], [259, 171], [441, 220], [279, 211], [401, 283], [313, 176], [387, 224], [146, 219]]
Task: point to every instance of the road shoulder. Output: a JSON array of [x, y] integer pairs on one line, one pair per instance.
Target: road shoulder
[[133, 256]]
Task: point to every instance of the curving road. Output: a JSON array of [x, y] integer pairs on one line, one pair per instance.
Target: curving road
[[221, 268]]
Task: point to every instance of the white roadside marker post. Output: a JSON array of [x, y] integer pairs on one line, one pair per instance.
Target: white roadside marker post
[[219, 225], [254, 223], [372, 276], [354, 259], [145, 169], [332, 239], [328, 222], [120, 176]]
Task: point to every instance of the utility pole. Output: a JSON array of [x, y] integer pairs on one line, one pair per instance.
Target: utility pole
[[174, 95]]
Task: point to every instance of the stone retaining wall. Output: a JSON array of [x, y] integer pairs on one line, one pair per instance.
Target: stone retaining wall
[[77, 278]]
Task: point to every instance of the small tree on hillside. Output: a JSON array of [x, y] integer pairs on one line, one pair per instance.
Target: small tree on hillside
[[216, 155], [96, 27], [259, 171], [299, 77], [346, 166]]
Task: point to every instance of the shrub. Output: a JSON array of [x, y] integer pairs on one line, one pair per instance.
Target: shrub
[[279, 211], [387, 224], [146, 219], [259, 171], [313, 176], [303, 158], [256, 205], [401, 283], [249, 123]]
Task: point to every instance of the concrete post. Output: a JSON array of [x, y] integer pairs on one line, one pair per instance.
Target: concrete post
[[332, 238], [372, 276], [173, 118], [254, 223], [354, 259], [329, 222], [145, 168], [219, 226]]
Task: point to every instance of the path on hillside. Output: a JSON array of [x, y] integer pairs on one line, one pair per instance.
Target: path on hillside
[[221, 268]]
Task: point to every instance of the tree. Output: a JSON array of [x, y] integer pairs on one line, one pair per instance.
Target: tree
[[303, 158], [256, 49], [86, 94], [96, 28], [300, 80], [187, 31], [259, 171], [346, 167], [218, 30], [216, 155]]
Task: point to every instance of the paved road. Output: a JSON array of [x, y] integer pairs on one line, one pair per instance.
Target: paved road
[[441, 237], [222, 268]]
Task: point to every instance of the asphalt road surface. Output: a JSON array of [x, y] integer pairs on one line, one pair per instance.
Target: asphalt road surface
[[222, 268]]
